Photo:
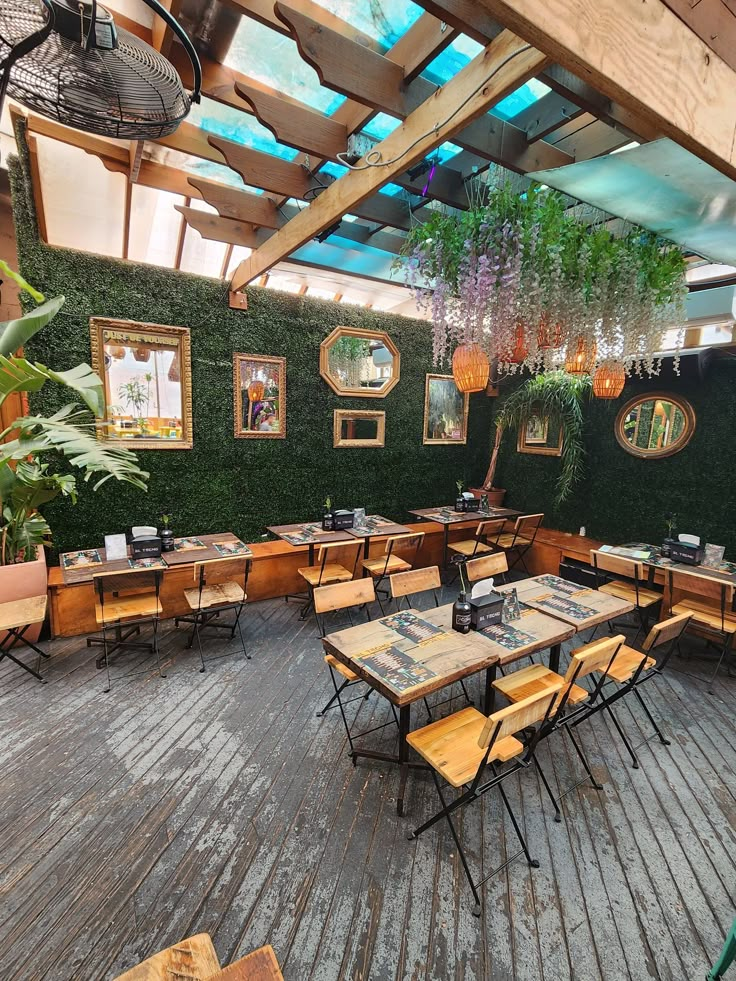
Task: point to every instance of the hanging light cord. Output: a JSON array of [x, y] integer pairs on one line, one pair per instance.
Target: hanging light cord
[[374, 157]]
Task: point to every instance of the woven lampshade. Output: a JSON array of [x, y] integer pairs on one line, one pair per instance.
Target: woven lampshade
[[549, 335], [581, 355], [255, 391], [470, 368], [609, 381], [118, 352], [521, 349]]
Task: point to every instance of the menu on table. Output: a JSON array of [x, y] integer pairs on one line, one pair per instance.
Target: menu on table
[[188, 544], [397, 668], [565, 606], [82, 559], [508, 636], [234, 547], [412, 627], [561, 585]]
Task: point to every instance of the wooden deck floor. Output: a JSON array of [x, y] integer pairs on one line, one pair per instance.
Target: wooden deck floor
[[219, 802]]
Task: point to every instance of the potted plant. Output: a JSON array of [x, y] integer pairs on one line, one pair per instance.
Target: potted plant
[[166, 534], [559, 398], [460, 484], [25, 481]]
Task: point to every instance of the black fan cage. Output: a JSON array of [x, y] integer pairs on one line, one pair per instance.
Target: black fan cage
[[130, 93]]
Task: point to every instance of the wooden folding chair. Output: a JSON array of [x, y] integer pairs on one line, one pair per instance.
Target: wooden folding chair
[[575, 702], [487, 566], [633, 668], [486, 533], [195, 959], [461, 746], [627, 586], [16, 618], [222, 586], [126, 601], [399, 555], [711, 604], [518, 542], [345, 596], [328, 570]]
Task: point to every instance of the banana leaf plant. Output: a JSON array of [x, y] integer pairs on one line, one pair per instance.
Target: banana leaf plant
[[559, 398], [25, 481]]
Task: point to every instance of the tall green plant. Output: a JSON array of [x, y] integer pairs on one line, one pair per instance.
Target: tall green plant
[[27, 484], [559, 398]]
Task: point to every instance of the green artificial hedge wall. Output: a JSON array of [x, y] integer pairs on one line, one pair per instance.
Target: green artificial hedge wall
[[623, 498], [226, 483]]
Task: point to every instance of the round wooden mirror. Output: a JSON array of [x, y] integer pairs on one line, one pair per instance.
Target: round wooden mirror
[[655, 425]]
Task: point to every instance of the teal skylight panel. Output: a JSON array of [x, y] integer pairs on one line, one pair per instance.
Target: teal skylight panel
[[333, 169], [384, 20], [260, 53], [525, 96], [381, 125], [240, 127]]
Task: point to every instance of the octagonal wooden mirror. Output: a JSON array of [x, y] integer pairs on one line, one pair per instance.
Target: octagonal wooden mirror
[[359, 362]]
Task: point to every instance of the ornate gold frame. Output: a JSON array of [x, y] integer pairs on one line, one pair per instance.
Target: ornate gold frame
[[238, 399], [97, 326], [366, 393], [444, 442], [522, 446], [340, 414], [682, 404]]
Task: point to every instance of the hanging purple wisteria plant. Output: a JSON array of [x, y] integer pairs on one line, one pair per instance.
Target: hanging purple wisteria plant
[[528, 278]]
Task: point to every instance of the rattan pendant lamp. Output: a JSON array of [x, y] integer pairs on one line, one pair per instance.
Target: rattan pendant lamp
[[67, 60]]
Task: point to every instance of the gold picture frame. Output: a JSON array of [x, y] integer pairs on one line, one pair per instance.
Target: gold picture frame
[[263, 416], [445, 411], [342, 416], [534, 437], [144, 367], [359, 373]]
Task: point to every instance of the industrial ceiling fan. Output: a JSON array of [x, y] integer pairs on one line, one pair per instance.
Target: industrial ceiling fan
[[68, 60]]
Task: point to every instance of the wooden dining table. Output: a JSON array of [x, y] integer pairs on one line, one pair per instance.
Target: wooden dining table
[[409, 655], [578, 606], [448, 517]]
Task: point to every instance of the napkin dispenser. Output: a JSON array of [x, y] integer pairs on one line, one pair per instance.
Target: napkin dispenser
[[467, 502], [145, 547], [342, 520], [485, 611], [687, 553]]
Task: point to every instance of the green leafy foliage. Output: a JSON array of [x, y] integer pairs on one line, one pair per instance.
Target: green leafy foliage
[[22, 491], [559, 398], [19, 375]]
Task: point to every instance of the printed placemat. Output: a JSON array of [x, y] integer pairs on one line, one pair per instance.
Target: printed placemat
[[81, 559], [397, 669]]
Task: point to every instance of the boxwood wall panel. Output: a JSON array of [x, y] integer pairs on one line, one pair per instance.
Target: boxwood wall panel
[[625, 498], [240, 484]]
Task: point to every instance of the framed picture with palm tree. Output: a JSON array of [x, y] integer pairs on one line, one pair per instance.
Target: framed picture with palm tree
[[147, 375], [445, 412]]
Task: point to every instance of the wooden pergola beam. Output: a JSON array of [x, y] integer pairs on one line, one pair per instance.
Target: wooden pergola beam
[[219, 229], [502, 66], [627, 49]]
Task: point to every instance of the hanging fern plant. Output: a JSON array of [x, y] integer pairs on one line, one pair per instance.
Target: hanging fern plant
[[558, 398]]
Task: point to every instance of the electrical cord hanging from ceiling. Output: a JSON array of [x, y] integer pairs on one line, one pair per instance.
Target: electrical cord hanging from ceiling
[[373, 157]]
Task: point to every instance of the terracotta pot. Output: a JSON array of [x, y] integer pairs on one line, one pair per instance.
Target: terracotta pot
[[22, 581], [495, 495]]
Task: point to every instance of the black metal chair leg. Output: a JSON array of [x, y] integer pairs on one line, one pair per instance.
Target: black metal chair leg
[[662, 739], [429, 710], [446, 812], [522, 840], [583, 759], [199, 644], [156, 650], [624, 738], [335, 697], [240, 632], [545, 782], [107, 659], [468, 699], [721, 659]]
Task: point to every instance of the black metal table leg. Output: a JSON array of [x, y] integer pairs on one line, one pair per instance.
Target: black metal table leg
[[489, 697], [446, 542], [554, 658], [404, 723]]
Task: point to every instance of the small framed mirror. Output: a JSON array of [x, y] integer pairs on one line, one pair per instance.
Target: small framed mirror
[[357, 428], [259, 396], [147, 374], [360, 362], [537, 436], [655, 425]]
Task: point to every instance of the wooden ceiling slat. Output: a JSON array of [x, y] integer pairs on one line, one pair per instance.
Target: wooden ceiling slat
[[219, 229], [240, 205], [465, 97], [264, 170], [297, 126], [714, 22], [626, 49], [546, 115]]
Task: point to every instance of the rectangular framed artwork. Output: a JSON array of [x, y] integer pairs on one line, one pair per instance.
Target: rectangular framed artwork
[[445, 412], [259, 396]]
